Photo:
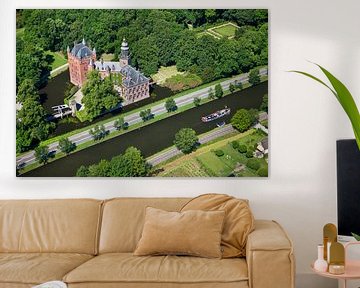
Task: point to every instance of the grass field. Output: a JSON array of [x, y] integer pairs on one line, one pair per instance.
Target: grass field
[[59, 59], [205, 163], [227, 30], [224, 30], [108, 57], [165, 73]]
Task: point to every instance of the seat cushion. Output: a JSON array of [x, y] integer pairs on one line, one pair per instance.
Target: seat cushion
[[130, 269], [35, 268], [50, 226]]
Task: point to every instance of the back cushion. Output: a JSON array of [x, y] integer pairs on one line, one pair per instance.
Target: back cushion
[[123, 221], [67, 226]]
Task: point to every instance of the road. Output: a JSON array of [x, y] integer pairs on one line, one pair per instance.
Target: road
[[168, 154], [82, 137]]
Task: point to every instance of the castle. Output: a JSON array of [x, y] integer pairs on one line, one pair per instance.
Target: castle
[[133, 85]]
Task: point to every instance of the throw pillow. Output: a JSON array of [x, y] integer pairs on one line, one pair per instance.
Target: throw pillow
[[196, 233], [238, 224]]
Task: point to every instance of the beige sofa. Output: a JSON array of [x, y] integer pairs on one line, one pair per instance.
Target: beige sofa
[[89, 243]]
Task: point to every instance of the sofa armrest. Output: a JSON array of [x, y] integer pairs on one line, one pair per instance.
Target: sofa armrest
[[269, 256]]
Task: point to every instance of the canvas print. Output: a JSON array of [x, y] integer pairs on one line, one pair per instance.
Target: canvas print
[[142, 93]]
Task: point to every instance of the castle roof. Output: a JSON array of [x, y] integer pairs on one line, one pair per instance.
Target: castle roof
[[80, 50], [132, 77]]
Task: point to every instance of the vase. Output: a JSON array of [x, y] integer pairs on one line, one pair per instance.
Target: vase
[[320, 264]]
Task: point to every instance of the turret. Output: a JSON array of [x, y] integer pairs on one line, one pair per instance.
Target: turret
[[124, 54], [83, 41]]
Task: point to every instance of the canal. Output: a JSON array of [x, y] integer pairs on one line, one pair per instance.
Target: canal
[[154, 137], [53, 94]]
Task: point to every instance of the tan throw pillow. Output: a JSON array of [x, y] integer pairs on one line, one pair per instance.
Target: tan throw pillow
[[238, 224], [196, 233]]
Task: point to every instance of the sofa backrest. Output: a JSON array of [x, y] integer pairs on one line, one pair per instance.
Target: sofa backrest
[[67, 226], [123, 220]]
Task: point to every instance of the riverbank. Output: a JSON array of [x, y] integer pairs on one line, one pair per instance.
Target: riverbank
[[142, 136]]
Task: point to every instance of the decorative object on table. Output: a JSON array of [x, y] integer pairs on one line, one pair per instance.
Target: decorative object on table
[[337, 258], [52, 284], [329, 236], [320, 264], [340, 267], [344, 97]]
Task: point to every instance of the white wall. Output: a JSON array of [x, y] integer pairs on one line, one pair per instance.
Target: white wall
[[305, 121]]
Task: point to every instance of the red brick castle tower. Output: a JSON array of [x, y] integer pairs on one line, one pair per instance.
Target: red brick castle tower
[[79, 59]]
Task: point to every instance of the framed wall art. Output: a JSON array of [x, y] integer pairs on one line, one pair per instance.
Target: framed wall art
[[142, 93]]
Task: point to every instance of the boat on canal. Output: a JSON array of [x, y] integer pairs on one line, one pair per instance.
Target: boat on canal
[[216, 115]]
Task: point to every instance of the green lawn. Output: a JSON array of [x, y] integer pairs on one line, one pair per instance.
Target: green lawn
[[227, 30], [59, 59], [214, 164], [165, 73], [108, 57], [189, 168]]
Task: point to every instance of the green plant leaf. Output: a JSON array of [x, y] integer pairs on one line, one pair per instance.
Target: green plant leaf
[[357, 237], [344, 97]]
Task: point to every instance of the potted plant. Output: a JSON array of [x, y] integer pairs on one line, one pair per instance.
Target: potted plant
[[344, 97]]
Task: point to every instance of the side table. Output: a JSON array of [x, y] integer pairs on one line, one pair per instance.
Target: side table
[[352, 269]]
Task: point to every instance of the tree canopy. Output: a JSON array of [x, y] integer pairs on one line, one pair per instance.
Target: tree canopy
[[99, 95], [157, 37], [130, 164], [242, 120], [31, 124], [186, 140]]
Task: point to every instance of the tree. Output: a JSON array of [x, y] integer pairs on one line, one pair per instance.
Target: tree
[[170, 105], [99, 95], [27, 90], [32, 64], [130, 164], [211, 93], [98, 132], [241, 120], [186, 140], [42, 154], [242, 148], [265, 103], [146, 115], [263, 172], [254, 77], [232, 87], [119, 123], [82, 171], [66, 146], [253, 115], [147, 55], [218, 91], [31, 125], [197, 101]]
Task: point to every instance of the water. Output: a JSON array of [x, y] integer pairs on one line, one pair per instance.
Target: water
[[164, 131], [53, 94]]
